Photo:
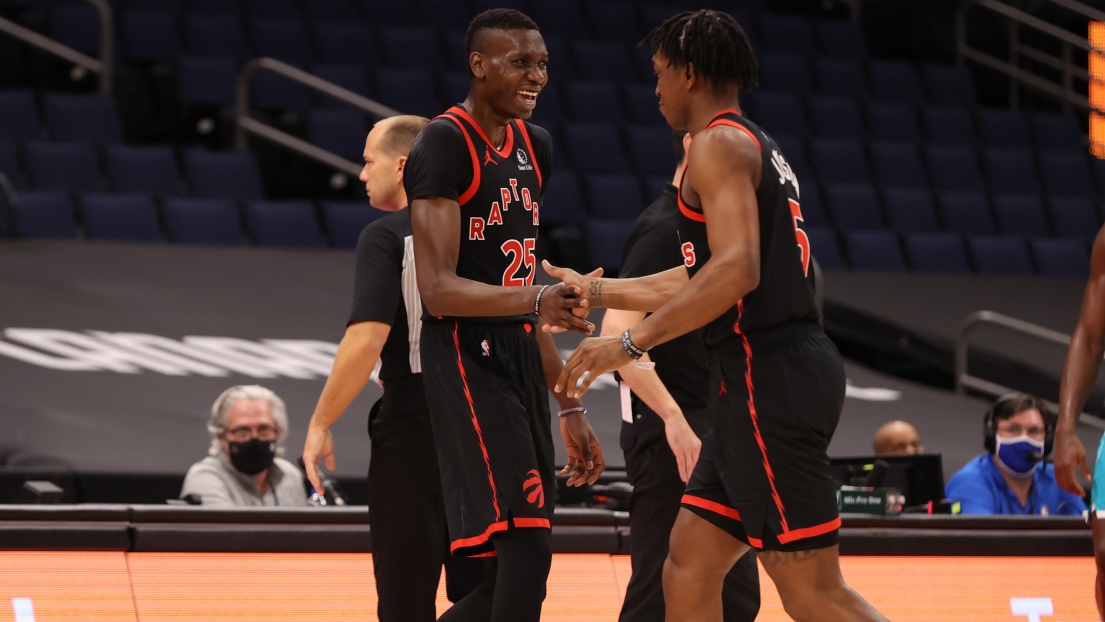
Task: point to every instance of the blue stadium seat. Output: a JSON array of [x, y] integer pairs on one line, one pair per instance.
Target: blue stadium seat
[[442, 13], [207, 80], [409, 91], [595, 102], [63, 166], [594, 147], [614, 196], [779, 114], [937, 252], [549, 108], [271, 91], [954, 168], [787, 33], [840, 161], [840, 38], [1098, 168], [204, 221], [835, 117], [215, 35], [411, 48], [910, 210], [811, 206], [606, 241], [947, 85], [893, 121], [854, 206], [895, 81], [127, 217], [19, 117], [282, 38], [271, 8], [1074, 218], [874, 251], [345, 43], [898, 165], [456, 84], [1065, 173], [390, 13], [965, 212], [1054, 130], [289, 224], [346, 220], [1003, 128], [143, 170], [603, 61], [341, 131], [332, 11], [1061, 258], [1010, 171], [1020, 215], [840, 77], [149, 36], [9, 163], [785, 72], [77, 26], [613, 20], [655, 185], [349, 77], [211, 6], [223, 174], [650, 148], [85, 118], [1000, 254], [560, 17], [45, 215], [455, 58], [948, 125], [564, 201], [825, 248]]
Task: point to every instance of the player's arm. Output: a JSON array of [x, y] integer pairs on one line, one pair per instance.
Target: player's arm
[[1080, 373], [646, 384], [357, 355], [585, 461], [436, 223], [644, 293]]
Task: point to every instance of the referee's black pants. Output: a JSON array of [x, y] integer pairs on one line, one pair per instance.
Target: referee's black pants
[[653, 506], [410, 540]]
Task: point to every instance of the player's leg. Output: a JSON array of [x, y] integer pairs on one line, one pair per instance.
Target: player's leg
[[462, 574], [701, 555], [525, 557], [740, 593], [811, 587]]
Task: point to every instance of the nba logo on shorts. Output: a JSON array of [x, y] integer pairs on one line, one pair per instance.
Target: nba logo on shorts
[[486, 347]]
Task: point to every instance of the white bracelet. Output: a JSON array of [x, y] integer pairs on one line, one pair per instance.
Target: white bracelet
[[568, 411], [645, 365]]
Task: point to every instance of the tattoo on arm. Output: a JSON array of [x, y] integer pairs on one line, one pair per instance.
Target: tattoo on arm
[[655, 338], [596, 293]]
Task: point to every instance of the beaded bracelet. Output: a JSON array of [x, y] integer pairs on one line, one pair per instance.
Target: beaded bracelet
[[568, 411], [537, 302]]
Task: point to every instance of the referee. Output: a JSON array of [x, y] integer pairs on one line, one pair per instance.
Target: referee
[[406, 507], [663, 416]]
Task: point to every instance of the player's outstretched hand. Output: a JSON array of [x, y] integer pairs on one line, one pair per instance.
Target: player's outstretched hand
[[559, 306], [684, 444], [1070, 454], [585, 461], [592, 358], [574, 279], [319, 444]]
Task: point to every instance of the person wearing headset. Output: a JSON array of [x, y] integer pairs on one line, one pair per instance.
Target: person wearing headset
[[1012, 477]]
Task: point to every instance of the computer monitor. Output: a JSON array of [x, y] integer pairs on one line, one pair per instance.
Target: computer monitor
[[919, 477]]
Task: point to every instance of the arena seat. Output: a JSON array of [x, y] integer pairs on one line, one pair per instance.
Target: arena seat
[[1074, 217], [282, 38], [215, 35], [854, 206], [341, 131], [910, 210], [1066, 173], [390, 13], [937, 252], [1003, 128], [835, 117], [63, 166], [1055, 130], [650, 149], [204, 221], [344, 42], [349, 77], [127, 217], [1061, 258], [70, 25], [594, 147], [954, 168], [410, 48], [564, 201], [408, 91], [286, 224], [230, 174], [19, 116], [948, 125], [1000, 254], [780, 114], [593, 102], [9, 163], [333, 11], [825, 247], [346, 219], [893, 121], [560, 17], [274, 92], [895, 81], [612, 19], [614, 197], [207, 80], [46, 215], [271, 8], [143, 170], [874, 251], [603, 61], [149, 36], [1020, 215], [948, 85], [840, 160], [787, 33], [841, 77], [82, 118], [785, 72], [606, 241], [442, 13], [840, 38], [1010, 171], [898, 165]]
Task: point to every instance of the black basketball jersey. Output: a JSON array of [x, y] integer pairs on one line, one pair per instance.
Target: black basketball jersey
[[499, 196], [785, 291]]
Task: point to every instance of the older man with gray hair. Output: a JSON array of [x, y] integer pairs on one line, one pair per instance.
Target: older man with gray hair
[[248, 426]]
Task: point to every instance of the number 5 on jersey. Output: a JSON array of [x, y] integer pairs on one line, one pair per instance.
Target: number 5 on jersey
[[803, 239], [520, 253]]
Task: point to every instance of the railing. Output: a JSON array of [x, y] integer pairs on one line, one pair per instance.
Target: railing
[[101, 66], [244, 125], [1064, 90]]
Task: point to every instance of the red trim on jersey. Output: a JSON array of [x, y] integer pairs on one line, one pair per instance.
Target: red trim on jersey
[[532, 522], [480, 539], [687, 211], [471, 191], [711, 506], [726, 111], [810, 532], [476, 425], [756, 423], [533, 156], [740, 127], [487, 554], [508, 144]]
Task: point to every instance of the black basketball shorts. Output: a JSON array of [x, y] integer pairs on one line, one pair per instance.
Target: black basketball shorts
[[763, 475], [489, 409]]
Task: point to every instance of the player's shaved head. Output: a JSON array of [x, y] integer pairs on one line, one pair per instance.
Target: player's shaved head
[[490, 21], [398, 133]]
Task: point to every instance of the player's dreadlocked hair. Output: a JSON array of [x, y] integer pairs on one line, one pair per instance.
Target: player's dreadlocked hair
[[496, 19], [710, 40]]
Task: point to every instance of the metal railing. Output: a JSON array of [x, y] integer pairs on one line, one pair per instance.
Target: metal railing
[[1064, 90], [244, 124], [101, 66]]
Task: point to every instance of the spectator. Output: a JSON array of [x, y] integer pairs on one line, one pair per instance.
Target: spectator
[[248, 426], [1009, 479], [897, 438]]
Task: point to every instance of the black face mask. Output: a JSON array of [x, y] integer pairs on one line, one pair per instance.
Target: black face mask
[[252, 456]]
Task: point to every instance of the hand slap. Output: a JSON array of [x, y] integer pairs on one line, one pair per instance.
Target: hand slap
[[592, 358], [559, 306]]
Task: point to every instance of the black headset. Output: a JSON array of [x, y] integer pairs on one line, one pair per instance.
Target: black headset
[[990, 426]]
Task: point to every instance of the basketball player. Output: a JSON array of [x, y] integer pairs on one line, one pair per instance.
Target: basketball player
[[777, 382], [664, 414], [407, 510], [475, 178], [1079, 376]]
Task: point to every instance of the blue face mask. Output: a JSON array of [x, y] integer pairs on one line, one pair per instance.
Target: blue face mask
[[1018, 456]]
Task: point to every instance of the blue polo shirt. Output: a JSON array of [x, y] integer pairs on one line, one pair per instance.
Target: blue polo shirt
[[980, 488]]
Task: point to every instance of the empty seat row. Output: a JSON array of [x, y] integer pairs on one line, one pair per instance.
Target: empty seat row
[[881, 80], [138, 218], [86, 118]]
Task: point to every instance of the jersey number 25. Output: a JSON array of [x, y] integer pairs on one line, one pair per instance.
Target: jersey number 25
[[520, 253]]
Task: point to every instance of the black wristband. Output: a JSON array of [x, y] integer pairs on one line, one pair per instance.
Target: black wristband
[[630, 348], [537, 302]]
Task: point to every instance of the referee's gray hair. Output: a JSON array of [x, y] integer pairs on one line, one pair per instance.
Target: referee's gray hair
[[238, 393]]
